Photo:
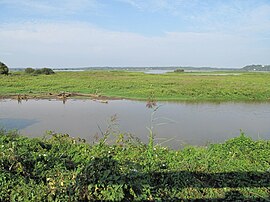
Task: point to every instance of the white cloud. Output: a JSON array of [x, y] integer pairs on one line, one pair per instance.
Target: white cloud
[[77, 44]]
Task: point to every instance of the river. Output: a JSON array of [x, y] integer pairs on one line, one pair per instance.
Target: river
[[174, 124]]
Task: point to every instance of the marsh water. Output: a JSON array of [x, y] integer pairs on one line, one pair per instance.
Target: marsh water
[[174, 124]]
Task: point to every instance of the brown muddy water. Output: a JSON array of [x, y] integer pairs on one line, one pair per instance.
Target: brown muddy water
[[174, 124]]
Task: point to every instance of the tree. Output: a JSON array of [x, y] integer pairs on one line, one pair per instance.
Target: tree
[[3, 69]]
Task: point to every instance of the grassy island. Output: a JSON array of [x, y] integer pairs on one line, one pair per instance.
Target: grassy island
[[196, 86]]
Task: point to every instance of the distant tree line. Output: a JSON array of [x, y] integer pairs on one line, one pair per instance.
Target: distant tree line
[[46, 71], [256, 68]]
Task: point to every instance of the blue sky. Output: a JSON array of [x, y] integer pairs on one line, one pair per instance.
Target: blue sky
[[76, 33]]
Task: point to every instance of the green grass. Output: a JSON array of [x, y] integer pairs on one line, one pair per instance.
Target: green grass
[[60, 168], [136, 85]]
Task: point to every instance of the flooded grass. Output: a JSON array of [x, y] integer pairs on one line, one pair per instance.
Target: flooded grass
[[61, 168], [210, 86]]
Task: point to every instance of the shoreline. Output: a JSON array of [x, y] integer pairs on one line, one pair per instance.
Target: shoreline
[[59, 96], [73, 95]]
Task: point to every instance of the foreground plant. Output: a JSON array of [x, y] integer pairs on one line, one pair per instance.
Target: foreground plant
[[62, 168]]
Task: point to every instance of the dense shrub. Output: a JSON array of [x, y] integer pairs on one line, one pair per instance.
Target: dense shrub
[[38, 71], [29, 70], [46, 71], [179, 70], [3, 69]]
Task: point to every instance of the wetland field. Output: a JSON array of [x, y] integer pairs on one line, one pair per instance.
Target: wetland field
[[191, 86]]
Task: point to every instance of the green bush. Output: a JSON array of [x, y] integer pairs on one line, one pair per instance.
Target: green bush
[[46, 71], [3, 69], [29, 70], [178, 70], [38, 71]]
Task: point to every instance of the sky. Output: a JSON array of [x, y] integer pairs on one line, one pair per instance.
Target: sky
[[92, 33]]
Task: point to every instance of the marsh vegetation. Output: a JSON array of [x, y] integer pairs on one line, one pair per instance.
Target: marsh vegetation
[[210, 86]]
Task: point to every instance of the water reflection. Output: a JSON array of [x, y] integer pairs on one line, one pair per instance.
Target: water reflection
[[11, 124], [174, 124]]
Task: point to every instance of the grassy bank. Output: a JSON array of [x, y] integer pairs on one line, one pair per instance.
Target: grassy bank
[[215, 86], [60, 168]]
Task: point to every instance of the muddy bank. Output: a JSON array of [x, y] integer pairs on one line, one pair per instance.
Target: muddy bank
[[61, 96]]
